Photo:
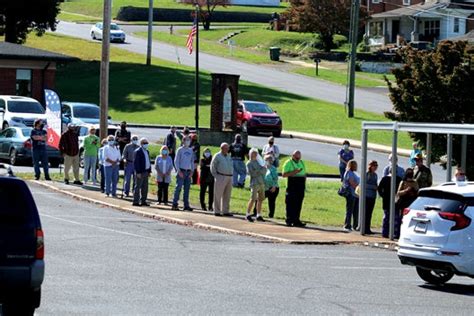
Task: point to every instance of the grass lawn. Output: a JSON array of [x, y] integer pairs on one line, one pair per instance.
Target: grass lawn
[[164, 92], [94, 8], [322, 206]]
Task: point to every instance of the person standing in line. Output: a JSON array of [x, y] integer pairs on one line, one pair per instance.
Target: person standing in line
[[350, 182], [39, 153], [91, 149], [222, 169], [69, 148], [128, 157], [196, 147], [370, 195], [184, 163], [384, 192], [295, 170], [112, 159], [413, 154], [101, 157], [423, 175], [122, 136], [170, 142], [406, 194], [257, 174], [238, 152], [142, 168], [163, 167], [400, 171], [206, 180], [345, 155], [273, 150], [272, 189]]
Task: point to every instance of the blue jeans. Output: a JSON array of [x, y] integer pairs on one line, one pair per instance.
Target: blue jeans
[[129, 175], [180, 182], [40, 155], [352, 212], [342, 170], [240, 172], [111, 179], [90, 163]]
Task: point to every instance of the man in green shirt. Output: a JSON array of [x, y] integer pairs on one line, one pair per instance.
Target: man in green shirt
[[295, 170], [91, 149]]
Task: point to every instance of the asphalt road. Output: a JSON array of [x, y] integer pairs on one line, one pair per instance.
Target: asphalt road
[[104, 262], [374, 100]]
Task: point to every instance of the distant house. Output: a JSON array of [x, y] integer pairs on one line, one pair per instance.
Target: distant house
[[27, 71], [379, 6], [430, 20]]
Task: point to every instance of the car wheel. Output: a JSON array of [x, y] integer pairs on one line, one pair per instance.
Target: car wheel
[[434, 277], [13, 157], [5, 125], [277, 134]]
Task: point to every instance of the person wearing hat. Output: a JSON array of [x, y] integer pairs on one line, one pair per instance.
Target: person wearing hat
[[273, 150], [39, 153], [91, 150], [122, 136], [69, 148], [142, 166], [386, 170], [423, 175], [128, 157], [370, 194], [272, 188], [238, 152]]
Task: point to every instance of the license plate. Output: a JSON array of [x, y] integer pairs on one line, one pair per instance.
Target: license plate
[[421, 227]]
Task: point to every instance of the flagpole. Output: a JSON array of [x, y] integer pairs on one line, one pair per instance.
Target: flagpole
[[197, 70]]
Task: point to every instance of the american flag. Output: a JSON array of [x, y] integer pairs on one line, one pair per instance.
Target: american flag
[[190, 41], [53, 116]]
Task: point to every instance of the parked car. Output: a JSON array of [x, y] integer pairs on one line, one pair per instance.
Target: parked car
[[257, 117], [116, 34], [20, 111], [16, 145], [437, 231], [21, 249], [84, 131], [80, 113]]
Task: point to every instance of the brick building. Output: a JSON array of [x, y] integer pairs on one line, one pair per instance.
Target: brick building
[[27, 71], [378, 6]]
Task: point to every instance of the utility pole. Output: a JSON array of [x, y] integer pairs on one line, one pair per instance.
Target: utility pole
[[353, 56], [150, 33], [196, 87], [104, 70]]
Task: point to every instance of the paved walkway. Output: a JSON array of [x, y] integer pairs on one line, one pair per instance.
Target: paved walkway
[[272, 231]]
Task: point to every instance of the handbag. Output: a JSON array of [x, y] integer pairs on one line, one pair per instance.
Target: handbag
[[343, 191]]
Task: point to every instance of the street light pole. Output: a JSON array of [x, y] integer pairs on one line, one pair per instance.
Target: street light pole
[[104, 70], [353, 56], [150, 33]]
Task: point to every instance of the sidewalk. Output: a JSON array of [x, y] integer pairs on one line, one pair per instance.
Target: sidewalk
[[271, 231]]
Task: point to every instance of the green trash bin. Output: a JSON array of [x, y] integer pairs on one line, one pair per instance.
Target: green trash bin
[[275, 53]]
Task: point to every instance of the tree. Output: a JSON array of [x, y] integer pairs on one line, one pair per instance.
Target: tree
[[23, 16], [435, 86], [206, 8], [326, 17]]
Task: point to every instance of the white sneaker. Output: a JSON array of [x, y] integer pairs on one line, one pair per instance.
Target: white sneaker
[[347, 230]]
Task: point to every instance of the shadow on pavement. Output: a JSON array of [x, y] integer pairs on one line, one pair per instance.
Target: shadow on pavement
[[452, 288]]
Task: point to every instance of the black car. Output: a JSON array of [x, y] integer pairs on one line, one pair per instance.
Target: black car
[[15, 145], [21, 249]]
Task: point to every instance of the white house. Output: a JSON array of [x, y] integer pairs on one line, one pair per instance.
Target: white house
[[260, 3], [429, 21]]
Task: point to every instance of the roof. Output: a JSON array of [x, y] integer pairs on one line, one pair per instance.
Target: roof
[[413, 10], [469, 37], [17, 98], [16, 51]]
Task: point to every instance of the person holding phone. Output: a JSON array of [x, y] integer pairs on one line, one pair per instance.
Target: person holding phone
[[294, 169]]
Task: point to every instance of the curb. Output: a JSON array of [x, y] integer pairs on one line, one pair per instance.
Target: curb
[[207, 227]]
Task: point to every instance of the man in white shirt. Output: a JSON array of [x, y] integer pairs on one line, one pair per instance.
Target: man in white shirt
[[112, 159]]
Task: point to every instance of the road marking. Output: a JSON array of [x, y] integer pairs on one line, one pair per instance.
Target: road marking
[[336, 258], [101, 228]]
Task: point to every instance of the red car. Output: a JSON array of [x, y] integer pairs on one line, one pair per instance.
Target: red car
[[257, 117]]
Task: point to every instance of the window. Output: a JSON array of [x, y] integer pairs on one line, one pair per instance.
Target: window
[[2, 104], [376, 29], [25, 107], [456, 25], [375, 1], [406, 2], [432, 29], [23, 82]]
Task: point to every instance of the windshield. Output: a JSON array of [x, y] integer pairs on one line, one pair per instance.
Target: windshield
[[25, 107], [90, 112], [258, 107], [433, 200], [114, 27]]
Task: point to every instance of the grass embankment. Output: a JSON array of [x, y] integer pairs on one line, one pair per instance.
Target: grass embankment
[[94, 8], [164, 92]]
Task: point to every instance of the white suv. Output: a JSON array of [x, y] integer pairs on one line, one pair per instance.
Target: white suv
[[19, 111], [437, 233]]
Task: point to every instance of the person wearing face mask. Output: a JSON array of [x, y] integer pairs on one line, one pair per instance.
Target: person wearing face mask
[[91, 150], [112, 159], [69, 148], [272, 189], [294, 169], [142, 167], [460, 176], [351, 181], [122, 136], [206, 180], [39, 153], [238, 152], [184, 164], [163, 167], [128, 156], [345, 155], [196, 147], [273, 150]]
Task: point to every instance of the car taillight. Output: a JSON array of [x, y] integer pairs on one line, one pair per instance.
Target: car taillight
[[27, 144], [39, 244], [461, 220], [406, 210]]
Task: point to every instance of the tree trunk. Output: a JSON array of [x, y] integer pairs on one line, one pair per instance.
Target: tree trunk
[[207, 24], [327, 41], [10, 28]]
